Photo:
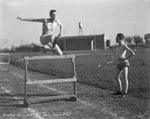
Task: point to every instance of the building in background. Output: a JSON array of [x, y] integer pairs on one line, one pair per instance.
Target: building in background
[[84, 42], [147, 40]]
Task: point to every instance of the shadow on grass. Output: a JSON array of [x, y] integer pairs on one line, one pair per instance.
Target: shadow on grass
[[49, 101], [28, 95], [17, 99], [92, 95]]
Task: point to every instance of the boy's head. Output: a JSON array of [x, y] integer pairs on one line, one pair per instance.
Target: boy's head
[[119, 37], [53, 13]]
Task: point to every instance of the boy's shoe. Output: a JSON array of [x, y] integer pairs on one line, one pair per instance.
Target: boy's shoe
[[123, 95], [118, 93]]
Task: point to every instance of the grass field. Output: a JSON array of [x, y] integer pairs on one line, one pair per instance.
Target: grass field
[[90, 74]]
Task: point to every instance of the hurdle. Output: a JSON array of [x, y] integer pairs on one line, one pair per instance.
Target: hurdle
[[29, 81], [7, 62]]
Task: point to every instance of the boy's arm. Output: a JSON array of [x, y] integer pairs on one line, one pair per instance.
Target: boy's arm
[[30, 19], [130, 53]]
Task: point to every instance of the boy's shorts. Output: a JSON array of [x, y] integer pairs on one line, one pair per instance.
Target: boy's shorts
[[122, 65]]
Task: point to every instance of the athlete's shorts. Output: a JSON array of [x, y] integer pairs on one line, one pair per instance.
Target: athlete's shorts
[[122, 65], [46, 39]]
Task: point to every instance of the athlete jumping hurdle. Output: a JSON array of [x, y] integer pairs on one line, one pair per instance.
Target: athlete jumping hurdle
[[49, 24]]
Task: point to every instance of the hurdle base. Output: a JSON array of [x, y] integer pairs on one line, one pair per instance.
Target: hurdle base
[[50, 98], [26, 104], [73, 98]]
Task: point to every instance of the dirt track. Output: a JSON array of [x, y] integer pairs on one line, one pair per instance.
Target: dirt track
[[92, 103]]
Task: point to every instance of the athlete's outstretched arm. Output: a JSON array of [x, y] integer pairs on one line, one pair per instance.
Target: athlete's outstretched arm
[[30, 19]]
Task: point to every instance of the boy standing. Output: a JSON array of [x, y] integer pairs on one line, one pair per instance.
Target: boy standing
[[48, 24], [122, 54]]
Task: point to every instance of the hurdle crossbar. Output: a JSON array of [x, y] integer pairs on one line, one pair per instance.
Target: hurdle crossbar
[[60, 80], [49, 57], [53, 81], [4, 63], [4, 53], [59, 97]]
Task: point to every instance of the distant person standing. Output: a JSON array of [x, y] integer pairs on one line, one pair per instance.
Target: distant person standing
[[48, 25], [122, 54]]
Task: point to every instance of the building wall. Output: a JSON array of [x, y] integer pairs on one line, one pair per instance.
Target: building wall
[[78, 44], [82, 42], [100, 42]]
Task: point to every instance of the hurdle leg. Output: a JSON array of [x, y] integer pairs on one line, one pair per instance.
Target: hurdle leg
[[25, 103], [75, 82], [8, 63], [75, 75], [75, 88]]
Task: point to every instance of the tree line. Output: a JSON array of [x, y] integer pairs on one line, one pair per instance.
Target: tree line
[[134, 40]]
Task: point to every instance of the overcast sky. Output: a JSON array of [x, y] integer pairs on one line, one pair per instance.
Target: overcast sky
[[131, 17]]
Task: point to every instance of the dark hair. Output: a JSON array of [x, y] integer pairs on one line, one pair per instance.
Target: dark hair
[[51, 11], [120, 35]]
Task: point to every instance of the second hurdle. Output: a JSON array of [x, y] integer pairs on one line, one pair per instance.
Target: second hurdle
[[5, 60], [29, 81]]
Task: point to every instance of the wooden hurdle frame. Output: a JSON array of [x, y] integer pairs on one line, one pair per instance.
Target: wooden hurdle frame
[[6, 63], [28, 81]]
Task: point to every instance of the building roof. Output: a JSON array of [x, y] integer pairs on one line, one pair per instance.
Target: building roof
[[82, 36]]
